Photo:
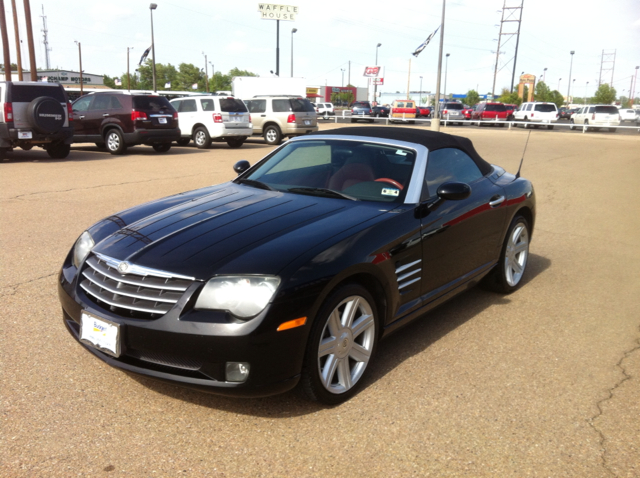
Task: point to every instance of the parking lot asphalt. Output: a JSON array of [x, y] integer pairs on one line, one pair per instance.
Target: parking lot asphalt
[[543, 382]]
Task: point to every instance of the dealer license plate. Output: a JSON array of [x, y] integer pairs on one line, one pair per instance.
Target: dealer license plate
[[307, 122], [25, 135], [100, 333], [162, 120]]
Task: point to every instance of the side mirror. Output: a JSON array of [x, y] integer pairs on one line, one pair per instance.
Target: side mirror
[[454, 191], [241, 166]]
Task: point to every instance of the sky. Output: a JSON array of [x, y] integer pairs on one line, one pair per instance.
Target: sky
[[336, 35]]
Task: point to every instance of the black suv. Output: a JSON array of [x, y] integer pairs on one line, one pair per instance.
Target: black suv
[[34, 114], [116, 120]]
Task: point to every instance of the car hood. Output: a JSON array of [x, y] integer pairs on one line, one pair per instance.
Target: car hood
[[235, 228]]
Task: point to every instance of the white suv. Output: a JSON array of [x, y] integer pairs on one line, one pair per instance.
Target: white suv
[[596, 116], [537, 112], [325, 110], [213, 118]]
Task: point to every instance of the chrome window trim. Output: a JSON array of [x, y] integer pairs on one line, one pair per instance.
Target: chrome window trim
[[417, 176]]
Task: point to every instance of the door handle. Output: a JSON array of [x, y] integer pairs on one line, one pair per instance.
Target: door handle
[[262, 116], [105, 115], [496, 201]]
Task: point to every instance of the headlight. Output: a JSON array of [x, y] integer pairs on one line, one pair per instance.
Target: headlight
[[83, 246], [243, 296]]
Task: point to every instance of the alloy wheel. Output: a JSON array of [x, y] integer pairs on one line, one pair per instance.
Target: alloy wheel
[[516, 254], [113, 141]]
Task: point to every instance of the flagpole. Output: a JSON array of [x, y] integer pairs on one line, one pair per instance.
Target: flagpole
[[409, 79], [435, 122]]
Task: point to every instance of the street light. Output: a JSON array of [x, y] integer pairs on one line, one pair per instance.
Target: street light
[[213, 74], [342, 70], [573, 84], [586, 101], [206, 73], [570, 68], [420, 98], [152, 7], [293, 30], [544, 75], [559, 79], [128, 76], [375, 84], [80, 58], [446, 67]]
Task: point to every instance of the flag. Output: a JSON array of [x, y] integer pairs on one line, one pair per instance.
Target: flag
[[424, 44], [194, 86], [117, 81], [144, 55], [167, 84]]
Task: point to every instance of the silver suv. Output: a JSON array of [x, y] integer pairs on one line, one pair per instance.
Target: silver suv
[[35, 114], [276, 117]]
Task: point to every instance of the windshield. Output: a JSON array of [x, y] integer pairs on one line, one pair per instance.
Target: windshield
[[363, 171]]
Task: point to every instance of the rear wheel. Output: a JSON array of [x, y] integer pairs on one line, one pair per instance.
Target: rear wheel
[[161, 147], [115, 142], [586, 125], [507, 274], [236, 142], [58, 150], [183, 141], [272, 135], [341, 345], [26, 147], [201, 138], [3, 153]]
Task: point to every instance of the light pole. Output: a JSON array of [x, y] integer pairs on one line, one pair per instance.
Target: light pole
[[128, 75], [573, 84], [420, 97], [570, 68], [80, 58], [342, 70], [152, 7], [375, 84], [544, 76], [213, 75], [586, 102], [446, 67], [633, 92], [293, 30], [559, 80], [206, 73]]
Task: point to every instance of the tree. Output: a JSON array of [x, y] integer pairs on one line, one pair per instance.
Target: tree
[[557, 98], [542, 92], [509, 98], [605, 94], [472, 97]]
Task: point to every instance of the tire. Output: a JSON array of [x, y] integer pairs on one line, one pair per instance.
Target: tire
[[3, 153], [46, 115], [272, 135], [161, 147], [183, 141], [341, 345], [572, 125], [507, 275], [115, 142], [58, 150], [201, 138], [586, 125], [236, 142], [353, 121], [527, 125], [326, 117]]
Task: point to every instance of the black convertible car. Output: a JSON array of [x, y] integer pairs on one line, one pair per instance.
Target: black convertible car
[[293, 272]]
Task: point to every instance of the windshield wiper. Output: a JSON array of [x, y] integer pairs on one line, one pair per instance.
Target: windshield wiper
[[254, 183], [322, 192]]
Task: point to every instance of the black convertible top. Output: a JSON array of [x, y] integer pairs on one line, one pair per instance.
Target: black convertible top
[[431, 139]]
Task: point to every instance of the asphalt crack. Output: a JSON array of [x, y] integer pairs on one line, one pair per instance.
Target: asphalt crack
[[591, 421], [13, 288], [21, 196]]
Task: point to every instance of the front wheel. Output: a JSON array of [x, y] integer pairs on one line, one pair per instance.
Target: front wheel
[[341, 345], [161, 147], [506, 277], [272, 135], [613, 130], [58, 150], [549, 126], [201, 138]]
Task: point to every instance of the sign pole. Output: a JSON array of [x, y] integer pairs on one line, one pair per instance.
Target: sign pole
[[277, 47]]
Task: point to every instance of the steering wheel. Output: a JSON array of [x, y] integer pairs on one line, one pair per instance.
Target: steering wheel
[[390, 181]]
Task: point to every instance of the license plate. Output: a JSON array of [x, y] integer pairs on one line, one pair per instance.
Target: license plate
[[162, 120], [307, 122], [100, 333], [236, 119], [25, 135]]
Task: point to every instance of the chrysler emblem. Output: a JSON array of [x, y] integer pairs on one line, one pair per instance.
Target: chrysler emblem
[[123, 267]]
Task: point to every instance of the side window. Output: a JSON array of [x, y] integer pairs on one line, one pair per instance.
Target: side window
[[207, 105], [101, 102], [176, 104], [188, 106], [529, 106], [592, 109], [257, 106], [82, 104], [449, 164], [115, 103], [281, 106]]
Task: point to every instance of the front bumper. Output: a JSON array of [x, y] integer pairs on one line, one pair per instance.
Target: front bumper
[[152, 136], [185, 349]]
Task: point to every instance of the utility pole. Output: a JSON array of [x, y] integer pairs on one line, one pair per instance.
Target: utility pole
[[435, 123], [32, 50], [206, 73], [5, 43], [16, 28], [128, 75], [80, 58], [508, 16], [349, 75], [45, 32], [515, 57]]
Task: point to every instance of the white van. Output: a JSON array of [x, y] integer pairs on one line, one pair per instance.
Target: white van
[[213, 118], [537, 112]]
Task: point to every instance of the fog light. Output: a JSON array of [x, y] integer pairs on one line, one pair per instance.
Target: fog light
[[237, 371]]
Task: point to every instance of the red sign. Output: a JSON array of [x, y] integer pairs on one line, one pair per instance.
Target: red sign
[[377, 81], [371, 71]]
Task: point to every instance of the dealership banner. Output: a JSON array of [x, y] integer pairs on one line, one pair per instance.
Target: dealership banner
[[372, 71]]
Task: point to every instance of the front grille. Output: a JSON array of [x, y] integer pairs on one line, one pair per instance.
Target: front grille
[[408, 274], [140, 292]]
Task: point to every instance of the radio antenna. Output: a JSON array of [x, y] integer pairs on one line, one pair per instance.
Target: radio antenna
[[525, 150]]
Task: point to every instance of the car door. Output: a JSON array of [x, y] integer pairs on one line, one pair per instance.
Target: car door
[[257, 110], [97, 113], [79, 113], [187, 115], [460, 238]]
